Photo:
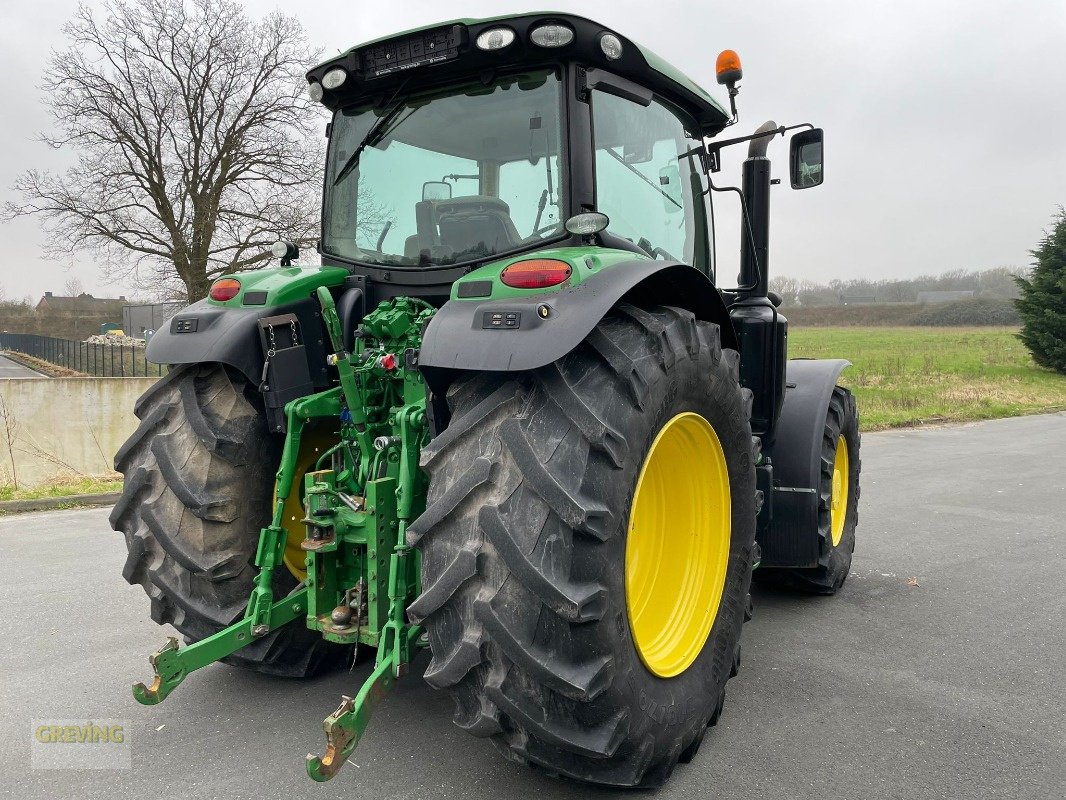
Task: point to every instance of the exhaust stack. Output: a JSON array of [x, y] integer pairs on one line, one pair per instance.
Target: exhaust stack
[[754, 248]]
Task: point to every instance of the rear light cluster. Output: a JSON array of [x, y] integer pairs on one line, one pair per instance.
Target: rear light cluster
[[536, 273], [225, 289]]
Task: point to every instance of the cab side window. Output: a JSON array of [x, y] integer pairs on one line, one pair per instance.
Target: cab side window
[[648, 182]]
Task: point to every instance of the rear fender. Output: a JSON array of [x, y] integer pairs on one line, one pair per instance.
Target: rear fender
[[790, 536], [205, 332], [548, 325]]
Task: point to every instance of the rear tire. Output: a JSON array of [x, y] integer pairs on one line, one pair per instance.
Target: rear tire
[[523, 547], [199, 476]]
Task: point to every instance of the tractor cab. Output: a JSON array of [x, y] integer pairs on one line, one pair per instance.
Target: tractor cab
[[474, 141]]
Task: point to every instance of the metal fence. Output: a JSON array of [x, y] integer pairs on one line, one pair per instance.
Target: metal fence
[[100, 360]]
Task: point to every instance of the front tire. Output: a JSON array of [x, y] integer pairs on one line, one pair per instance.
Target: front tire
[[838, 504], [524, 550]]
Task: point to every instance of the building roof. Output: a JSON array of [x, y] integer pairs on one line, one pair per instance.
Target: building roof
[[84, 302]]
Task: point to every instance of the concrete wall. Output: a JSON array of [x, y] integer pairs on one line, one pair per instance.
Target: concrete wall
[[63, 427]]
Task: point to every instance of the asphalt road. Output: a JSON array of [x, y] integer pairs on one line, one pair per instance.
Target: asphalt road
[[13, 369], [951, 688]]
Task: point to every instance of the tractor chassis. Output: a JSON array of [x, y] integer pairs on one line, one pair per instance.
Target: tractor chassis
[[358, 502]]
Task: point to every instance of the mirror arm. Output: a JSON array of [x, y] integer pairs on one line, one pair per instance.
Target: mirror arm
[[714, 149]]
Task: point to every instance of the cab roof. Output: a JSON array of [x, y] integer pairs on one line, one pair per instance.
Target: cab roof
[[371, 74]]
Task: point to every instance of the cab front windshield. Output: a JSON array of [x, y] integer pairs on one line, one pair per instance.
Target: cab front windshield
[[448, 177]]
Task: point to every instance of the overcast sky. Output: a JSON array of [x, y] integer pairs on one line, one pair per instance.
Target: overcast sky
[[944, 119]]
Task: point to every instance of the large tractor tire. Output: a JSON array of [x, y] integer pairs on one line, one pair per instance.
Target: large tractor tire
[[838, 504], [199, 477], [587, 549]]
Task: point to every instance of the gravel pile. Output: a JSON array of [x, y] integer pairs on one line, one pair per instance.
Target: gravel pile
[[126, 341]]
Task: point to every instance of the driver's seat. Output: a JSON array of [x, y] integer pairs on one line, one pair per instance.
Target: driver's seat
[[463, 224]]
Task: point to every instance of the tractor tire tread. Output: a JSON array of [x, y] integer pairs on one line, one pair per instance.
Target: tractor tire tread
[[503, 603], [198, 473]]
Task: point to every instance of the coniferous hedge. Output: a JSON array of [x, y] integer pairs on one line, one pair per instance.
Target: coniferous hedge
[[1042, 305]]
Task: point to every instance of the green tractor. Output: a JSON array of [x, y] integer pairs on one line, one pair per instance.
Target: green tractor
[[514, 417]]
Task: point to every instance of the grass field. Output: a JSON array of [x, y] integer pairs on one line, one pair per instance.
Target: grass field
[[910, 376], [64, 487]]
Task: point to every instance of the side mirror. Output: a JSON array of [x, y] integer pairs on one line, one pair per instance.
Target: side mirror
[[637, 152], [670, 186], [436, 190], [805, 159]]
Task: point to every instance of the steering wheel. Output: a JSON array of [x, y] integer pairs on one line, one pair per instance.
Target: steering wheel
[[653, 251]]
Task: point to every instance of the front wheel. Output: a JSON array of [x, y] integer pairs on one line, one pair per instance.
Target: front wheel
[[838, 504], [587, 549]]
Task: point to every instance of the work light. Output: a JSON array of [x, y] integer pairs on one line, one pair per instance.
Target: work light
[[495, 39], [334, 78], [587, 224], [552, 35], [611, 46]]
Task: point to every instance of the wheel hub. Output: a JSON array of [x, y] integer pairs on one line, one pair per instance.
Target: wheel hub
[[313, 444], [838, 504], [677, 549]]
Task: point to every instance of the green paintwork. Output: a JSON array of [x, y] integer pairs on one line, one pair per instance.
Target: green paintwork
[[668, 70], [358, 502], [584, 261], [655, 62], [172, 664], [283, 285]]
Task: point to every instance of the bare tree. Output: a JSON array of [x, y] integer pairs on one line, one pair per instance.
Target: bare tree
[[9, 428], [73, 287], [787, 288], [196, 145]]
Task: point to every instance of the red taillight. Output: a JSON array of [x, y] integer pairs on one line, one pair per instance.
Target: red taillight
[[537, 273], [225, 289]]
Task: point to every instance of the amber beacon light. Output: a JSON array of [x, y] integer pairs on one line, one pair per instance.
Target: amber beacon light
[[727, 68]]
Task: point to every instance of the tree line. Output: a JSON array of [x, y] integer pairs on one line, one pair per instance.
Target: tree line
[[995, 283]]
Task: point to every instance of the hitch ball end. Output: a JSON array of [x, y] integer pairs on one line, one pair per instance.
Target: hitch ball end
[[321, 769], [148, 695]]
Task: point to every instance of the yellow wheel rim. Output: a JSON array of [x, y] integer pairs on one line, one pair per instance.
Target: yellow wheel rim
[[677, 548], [312, 445], [838, 504]]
